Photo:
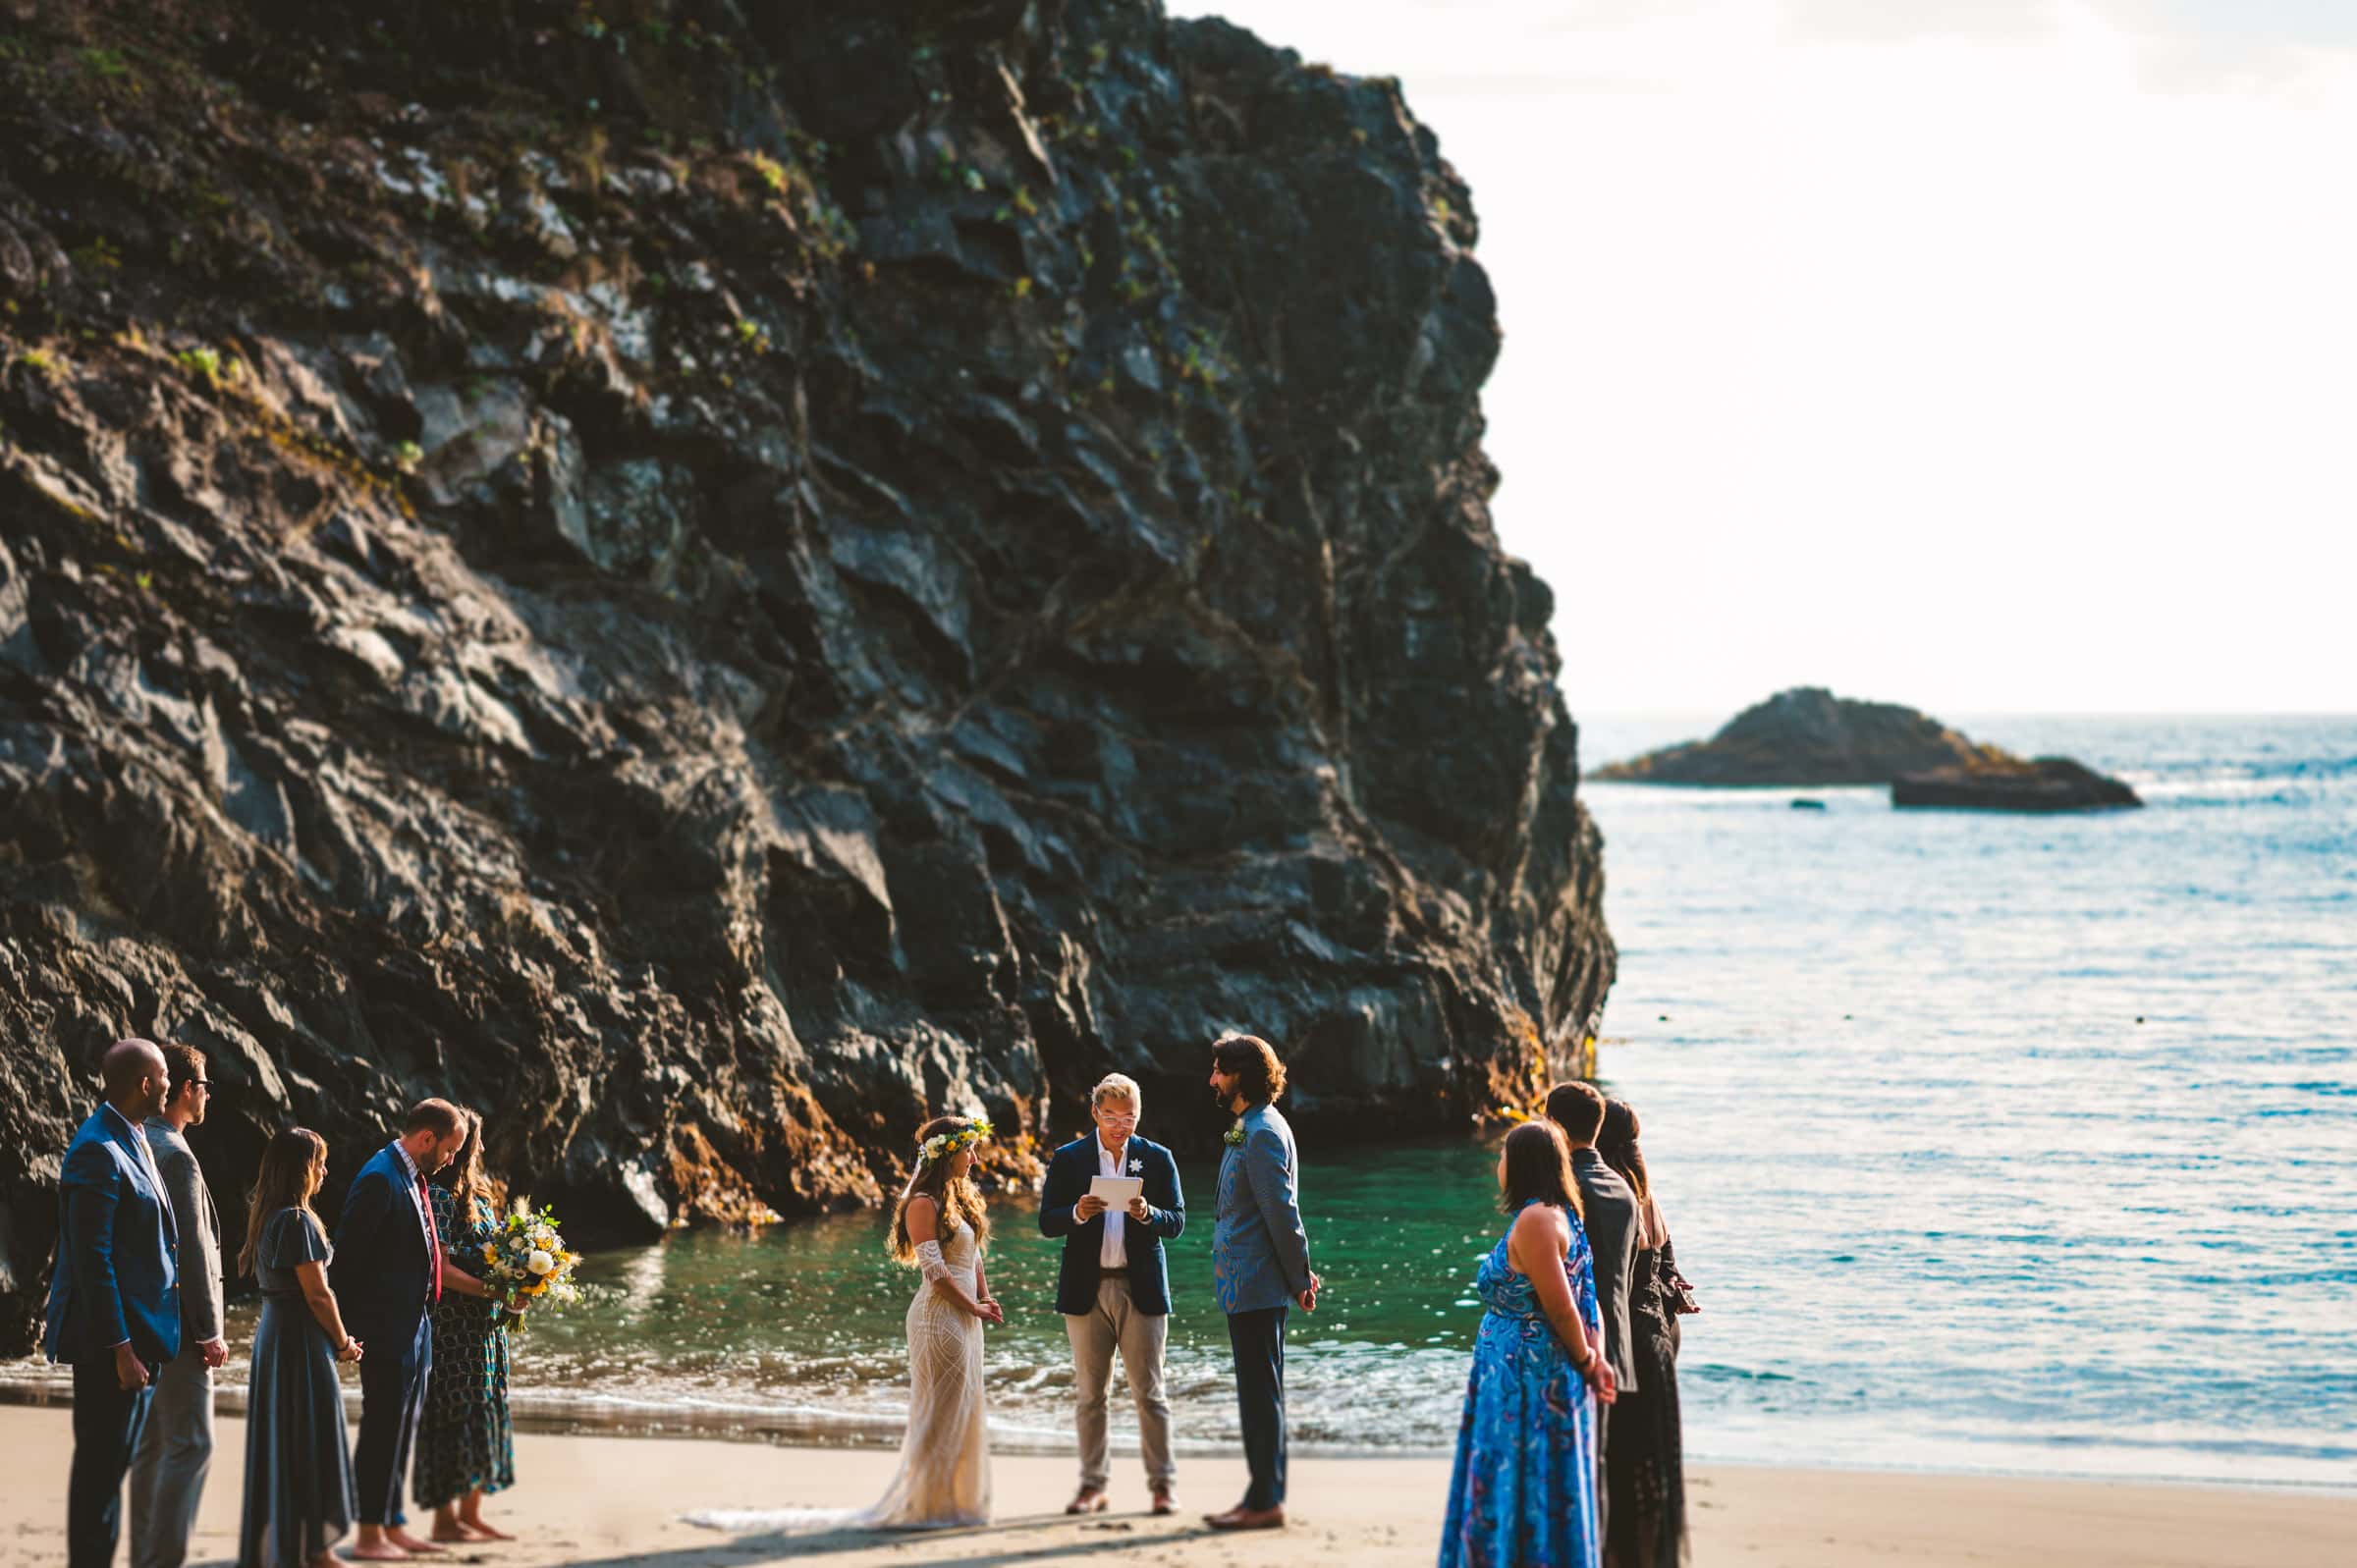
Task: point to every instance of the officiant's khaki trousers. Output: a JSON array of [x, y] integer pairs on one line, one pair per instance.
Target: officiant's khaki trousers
[[1139, 1337]]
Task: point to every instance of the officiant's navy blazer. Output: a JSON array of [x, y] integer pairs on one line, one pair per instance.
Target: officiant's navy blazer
[[117, 1251], [1070, 1172]]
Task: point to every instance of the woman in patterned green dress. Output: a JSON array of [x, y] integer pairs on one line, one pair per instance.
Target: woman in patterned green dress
[[465, 1441]]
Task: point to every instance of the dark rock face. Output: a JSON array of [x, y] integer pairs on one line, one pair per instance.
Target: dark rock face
[[2048, 784], [1808, 736], [717, 585]]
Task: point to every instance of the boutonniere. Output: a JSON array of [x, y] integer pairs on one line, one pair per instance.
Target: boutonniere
[[1233, 1137], [1137, 1167]]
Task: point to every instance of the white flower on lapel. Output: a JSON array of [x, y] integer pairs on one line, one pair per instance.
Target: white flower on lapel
[[1137, 1167]]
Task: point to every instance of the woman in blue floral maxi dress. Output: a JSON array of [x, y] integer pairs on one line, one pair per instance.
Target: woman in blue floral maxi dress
[[1524, 1491]]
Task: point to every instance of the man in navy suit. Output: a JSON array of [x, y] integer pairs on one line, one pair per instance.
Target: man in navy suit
[[1113, 1286], [387, 1274], [114, 1297]]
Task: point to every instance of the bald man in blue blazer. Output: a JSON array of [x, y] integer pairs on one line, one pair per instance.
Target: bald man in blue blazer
[[113, 1296]]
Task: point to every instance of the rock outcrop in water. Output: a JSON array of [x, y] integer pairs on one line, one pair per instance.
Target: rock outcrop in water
[[2044, 783], [1808, 736], [712, 578]]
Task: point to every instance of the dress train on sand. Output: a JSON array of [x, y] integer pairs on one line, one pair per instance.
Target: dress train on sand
[[944, 1477]]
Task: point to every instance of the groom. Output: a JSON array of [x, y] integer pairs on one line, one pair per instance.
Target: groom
[[1260, 1262], [1113, 1287], [387, 1274]]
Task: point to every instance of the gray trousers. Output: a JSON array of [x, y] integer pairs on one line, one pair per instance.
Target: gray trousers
[[168, 1468], [1139, 1337]]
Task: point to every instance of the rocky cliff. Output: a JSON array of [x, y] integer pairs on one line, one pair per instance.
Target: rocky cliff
[[713, 578]]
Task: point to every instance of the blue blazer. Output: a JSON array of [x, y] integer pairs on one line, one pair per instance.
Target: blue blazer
[[1070, 1172], [117, 1251], [1260, 1247], [383, 1271]]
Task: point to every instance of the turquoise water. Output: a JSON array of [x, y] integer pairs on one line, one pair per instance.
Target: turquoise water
[[796, 1330], [1990, 1143]]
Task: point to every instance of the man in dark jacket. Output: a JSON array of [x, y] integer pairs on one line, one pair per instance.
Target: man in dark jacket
[[114, 1298], [387, 1276], [1611, 1217], [1113, 1286]]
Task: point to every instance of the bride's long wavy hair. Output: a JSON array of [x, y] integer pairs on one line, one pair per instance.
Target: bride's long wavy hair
[[960, 1201]]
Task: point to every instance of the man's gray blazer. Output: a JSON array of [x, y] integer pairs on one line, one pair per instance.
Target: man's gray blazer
[[1259, 1250], [1612, 1227], [199, 1234]]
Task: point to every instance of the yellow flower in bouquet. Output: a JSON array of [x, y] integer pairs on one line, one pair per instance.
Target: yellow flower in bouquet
[[528, 1260]]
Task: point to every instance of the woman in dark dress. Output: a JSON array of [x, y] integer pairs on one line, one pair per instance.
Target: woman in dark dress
[[465, 1441], [1644, 1463], [299, 1495]]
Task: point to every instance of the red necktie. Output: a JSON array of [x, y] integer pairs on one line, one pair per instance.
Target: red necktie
[[433, 1239]]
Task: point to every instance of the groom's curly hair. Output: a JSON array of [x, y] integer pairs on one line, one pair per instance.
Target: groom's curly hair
[[1263, 1076]]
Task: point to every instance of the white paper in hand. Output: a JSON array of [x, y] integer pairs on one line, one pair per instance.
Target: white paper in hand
[[1117, 1191]]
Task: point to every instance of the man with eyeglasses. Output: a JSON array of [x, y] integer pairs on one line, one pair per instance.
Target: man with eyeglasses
[[1113, 1286], [176, 1446]]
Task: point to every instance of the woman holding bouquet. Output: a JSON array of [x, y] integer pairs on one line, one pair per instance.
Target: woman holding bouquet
[[466, 1439]]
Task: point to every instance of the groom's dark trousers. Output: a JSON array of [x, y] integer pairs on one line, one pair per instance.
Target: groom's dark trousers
[[1258, 1340]]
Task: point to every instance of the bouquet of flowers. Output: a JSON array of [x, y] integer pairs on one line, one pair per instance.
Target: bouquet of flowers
[[528, 1262]]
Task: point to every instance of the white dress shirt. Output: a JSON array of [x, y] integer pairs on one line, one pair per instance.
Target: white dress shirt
[[1115, 1253]]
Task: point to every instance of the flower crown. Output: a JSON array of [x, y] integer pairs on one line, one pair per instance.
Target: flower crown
[[943, 1144]]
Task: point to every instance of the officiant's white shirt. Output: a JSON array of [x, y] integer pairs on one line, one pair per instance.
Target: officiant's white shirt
[[1115, 1253]]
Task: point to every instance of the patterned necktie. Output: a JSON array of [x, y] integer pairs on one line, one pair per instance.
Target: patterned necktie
[[433, 1238]]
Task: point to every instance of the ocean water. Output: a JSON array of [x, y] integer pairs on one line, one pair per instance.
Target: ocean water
[[1990, 1143]]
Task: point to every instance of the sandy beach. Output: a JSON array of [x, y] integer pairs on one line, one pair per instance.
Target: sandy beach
[[615, 1500]]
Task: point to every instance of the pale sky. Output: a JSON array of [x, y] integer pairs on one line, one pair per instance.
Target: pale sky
[[1986, 355]]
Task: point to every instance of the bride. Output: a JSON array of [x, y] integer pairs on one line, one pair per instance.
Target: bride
[[938, 1228], [945, 1465]]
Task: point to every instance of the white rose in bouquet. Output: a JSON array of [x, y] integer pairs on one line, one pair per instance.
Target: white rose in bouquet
[[539, 1262]]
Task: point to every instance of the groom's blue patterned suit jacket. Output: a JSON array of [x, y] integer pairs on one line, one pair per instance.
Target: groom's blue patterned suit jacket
[[1259, 1248]]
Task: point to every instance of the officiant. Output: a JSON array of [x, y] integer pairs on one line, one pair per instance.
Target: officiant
[[1114, 1198]]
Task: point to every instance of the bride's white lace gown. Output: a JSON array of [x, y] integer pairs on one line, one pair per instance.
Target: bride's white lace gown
[[945, 1460], [944, 1477]]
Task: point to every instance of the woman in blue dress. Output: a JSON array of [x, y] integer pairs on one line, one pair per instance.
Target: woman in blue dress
[[1524, 1492]]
